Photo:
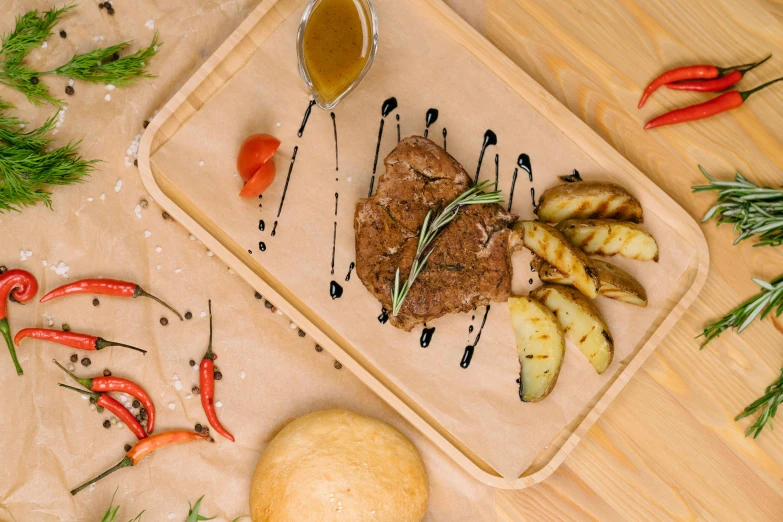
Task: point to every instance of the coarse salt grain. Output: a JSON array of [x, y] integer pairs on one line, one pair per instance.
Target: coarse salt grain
[[120, 425], [113, 420], [110, 87], [92, 407], [277, 124], [150, 24], [137, 211], [188, 396], [293, 326], [279, 312], [117, 186], [171, 516], [24, 255], [192, 237], [175, 378], [90, 199], [158, 249], [103, 197], [200, 163], [70, 82], [210, 253], [49, 320], [242, 375], [350, 179], [147, 233], [85, 397], [61, 269], [92, 487], [231, 271], [172, 406], [71, 367], [178, 385], [178, 271], [158, 267], [202, 314], [218, 404], [44, 44], [107, 97]]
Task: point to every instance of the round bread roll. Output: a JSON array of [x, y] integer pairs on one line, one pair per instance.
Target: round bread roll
[[336, 465]]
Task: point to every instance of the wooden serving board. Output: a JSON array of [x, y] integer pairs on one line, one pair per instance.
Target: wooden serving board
[[428, 58]]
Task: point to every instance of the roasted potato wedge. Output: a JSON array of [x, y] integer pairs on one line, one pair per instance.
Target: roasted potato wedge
[[580, 321], [588, 200], [616, 283], [608, 238], [556, 249], [540, 347]]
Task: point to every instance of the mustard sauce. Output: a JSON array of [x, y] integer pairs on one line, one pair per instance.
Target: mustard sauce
[[337, 43]]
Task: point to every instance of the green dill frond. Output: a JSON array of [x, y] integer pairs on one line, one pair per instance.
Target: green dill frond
[[30, 30]]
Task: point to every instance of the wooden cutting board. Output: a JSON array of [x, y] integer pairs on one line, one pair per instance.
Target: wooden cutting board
[[428, 58]]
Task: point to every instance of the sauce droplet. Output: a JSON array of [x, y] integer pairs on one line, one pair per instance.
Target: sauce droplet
[[384, 317], [335, 290], [426, 336], [430, 118], [490, 138], [350, 269], [306, 117]]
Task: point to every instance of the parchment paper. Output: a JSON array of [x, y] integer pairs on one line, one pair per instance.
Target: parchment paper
[[422, 67], [50, 441]]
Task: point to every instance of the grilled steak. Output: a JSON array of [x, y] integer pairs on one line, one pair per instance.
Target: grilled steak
[[469, 265]]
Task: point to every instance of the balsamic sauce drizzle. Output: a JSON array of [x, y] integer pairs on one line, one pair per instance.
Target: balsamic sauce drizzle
[[386, 109], [306, 117], [497, 170], [261, 225], [444, 138], [285, 189], [384, 317], [334, 246], [350, 269], [398, 128], [524, 163], [533, 197], [490, 138], [470, 329], [426, 336], [336, 155], [432, 117], [530, 281], [511, 193], [335, 290], [468, 355], [262, 246]]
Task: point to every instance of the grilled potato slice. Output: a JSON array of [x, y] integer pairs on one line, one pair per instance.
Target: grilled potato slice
[[609, 238], [588, 200], [616, 283], [556, 249], [540, 347], [581, 322]]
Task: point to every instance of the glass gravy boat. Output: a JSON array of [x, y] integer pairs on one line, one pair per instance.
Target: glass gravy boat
[[369, 23]]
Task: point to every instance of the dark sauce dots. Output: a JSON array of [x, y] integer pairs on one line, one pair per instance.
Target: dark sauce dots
[[74, 357], [86, 362], [107, 373], [95, 302], [164, 321], [63, 34], [188, 315], [107, 424], [69, 90], [319, 348]]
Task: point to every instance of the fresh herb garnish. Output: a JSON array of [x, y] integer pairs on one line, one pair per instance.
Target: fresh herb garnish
[[28, 168], [111, 513], [96, 66], [759, 306], [430, 230], [773, 396], [754, 210]]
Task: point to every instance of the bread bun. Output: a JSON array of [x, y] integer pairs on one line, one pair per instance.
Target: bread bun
[[337, 465]]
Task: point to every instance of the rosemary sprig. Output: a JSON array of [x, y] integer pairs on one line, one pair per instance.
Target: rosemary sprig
[[759, 306], [430, 230], [773, 396], [754, 210], [27, 167], [97, 66]]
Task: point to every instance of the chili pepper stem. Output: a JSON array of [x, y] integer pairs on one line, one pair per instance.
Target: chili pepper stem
[[744, 67], [209, 354], [124, 463], [6, 331], [102, 343], [746, 94], [83, 392], [143, 293], [87, 383]]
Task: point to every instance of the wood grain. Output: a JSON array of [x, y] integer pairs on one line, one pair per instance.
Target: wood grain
[[668, 447]]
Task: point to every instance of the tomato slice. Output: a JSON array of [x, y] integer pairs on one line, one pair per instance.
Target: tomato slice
[[260, 181], [255, 151]]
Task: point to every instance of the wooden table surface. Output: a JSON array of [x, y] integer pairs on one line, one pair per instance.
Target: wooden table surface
[[668, 447]]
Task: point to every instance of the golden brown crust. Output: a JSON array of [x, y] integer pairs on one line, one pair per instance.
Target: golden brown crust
[[588, 200], [608, 238]]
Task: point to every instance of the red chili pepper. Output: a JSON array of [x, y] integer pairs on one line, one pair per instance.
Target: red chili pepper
[[73, 339], [716, 85], [20, 286], [724, 102], [111, 383], [207, 385], [695, 72], [101, 399], [104, 287], [144, 448]]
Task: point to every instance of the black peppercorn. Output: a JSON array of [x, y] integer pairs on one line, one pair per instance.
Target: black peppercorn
[[136, 404], [273, 309], [101, 5], [199, 427], [67, 328], [128, 447], [34, 80], [164, 321], [188, 315], [139, 418], [107, 424], [99, 409], [3, 269], [74, 357], [69, 90], [143, 203], [195, 390], [218, 376], [92, 400], [145, 124], [268, 304], [259, 296], [318, 348], [86, 361], [110, 10], [95, 302], [115, 56], [106, 372], [302, 333], [166, 215], [135, 163], [338, 364], [192, 362], [143, 413], [63, 34]]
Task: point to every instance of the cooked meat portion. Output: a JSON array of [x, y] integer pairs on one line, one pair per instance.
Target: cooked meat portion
[[470, 263]]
